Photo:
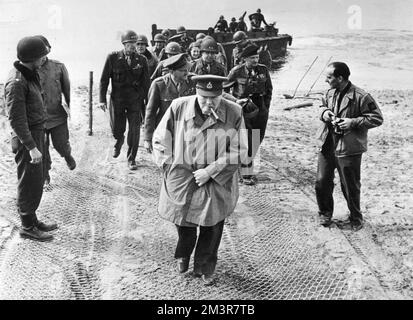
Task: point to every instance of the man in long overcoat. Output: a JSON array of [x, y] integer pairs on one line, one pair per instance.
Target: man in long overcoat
[[200, 143]]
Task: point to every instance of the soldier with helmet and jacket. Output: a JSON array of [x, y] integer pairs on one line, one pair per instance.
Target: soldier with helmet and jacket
[[159, 49], [142, 48], [27, 115], [252, 80], [184, 40], [207, 64], [241, 41], [129, 74]]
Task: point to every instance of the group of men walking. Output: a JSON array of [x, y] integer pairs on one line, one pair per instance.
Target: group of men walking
[[203, 126]]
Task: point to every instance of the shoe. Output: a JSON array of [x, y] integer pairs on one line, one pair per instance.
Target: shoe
[[36, 234], [117, 147], [70, 161], [132, 165], [46, 227], [207, 279], [249, 180], [182, 265], [325, 221], [351, 225]]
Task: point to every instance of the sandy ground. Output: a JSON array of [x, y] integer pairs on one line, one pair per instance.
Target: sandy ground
[[381, 255]]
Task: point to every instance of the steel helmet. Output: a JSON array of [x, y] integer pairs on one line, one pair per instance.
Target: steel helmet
[[166, 33], [180, 29], [200, 36], [30, 49], [209, 45], [239, 36], [142, 39], [129, 36], [159, 38], [173, 48]]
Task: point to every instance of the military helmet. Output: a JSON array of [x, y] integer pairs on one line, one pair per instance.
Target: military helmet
[[166, 33], [159, 38], [180, 29], [129, 36], [200, 35], [239, 36], [209, 45], [173, 48], [45, 41], [142, 39], [30, 49], [259, 10], [221, 17]]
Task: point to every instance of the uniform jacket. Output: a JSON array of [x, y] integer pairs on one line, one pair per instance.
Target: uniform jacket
[[54, 79], [159, 71], [24, 103], [184, 143], [364, 112], [254, 84], [129, 83], [152, 61], [161, 93], [185, 42], [200, 68]]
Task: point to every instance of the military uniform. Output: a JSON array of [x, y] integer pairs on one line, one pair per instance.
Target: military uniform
[[161, 94], [200, 67], [152, 61], [255, 84], [130, 85], [185, 42], [27, 114]]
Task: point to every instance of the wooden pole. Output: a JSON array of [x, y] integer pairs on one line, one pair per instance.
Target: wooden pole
[[90, 103]]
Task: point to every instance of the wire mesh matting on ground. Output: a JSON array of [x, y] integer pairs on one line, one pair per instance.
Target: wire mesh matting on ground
[[111, 244]]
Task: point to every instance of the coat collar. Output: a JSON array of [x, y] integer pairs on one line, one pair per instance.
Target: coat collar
[[30, 75], [348, 96]]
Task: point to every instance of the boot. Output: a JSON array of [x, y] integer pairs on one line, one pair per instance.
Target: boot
[[43, 226], [117, 147], [70, 161], [30, 231]]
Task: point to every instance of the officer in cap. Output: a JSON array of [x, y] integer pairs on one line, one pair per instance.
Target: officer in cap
[[54, 72], [159, 47], [252, 80], [129, 74], [171, 49], [27, 116], [163, 90], [208, 64], [199, 144]]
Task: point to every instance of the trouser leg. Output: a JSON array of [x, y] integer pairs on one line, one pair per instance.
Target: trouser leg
[[349, 170], [206, 252], [186, 241], [47, 165], [30, 180], [60, 139], [117, 122], [134, 122], [324, 185]]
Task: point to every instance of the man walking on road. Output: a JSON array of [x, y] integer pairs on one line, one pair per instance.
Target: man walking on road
[[129, 74], [27, 115], [199, 144], [54, 80], [347, 115]]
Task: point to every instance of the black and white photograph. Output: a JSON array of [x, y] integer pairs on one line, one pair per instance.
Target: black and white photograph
[[218, 153]]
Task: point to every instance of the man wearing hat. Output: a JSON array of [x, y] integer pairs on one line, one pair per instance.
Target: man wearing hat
[[129, 74], [252, 80], [184, 40], [233, 25], [27, 116], [221, 25], [142, 48], [54, 80], [199, 144], [208, 64], [159, 48], [171, 49], [164, 90], [241, 41]]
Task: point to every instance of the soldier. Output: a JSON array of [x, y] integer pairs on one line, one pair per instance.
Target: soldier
[[54, 80], [347, 115], [142, 48], [242, 26], [159, 49], [199, 144], [241, 41], [252, 80], [221, 25], [27, 116], [171, 49], [207, 64], [256, 19], [233, 25], [166, 33], [129, 73], [185, 40], [163, 90], [221, 56]]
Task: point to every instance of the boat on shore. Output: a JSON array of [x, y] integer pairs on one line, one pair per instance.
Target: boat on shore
[[269, 39]]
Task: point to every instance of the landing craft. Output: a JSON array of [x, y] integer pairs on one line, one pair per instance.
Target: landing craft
[[275, 43]]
